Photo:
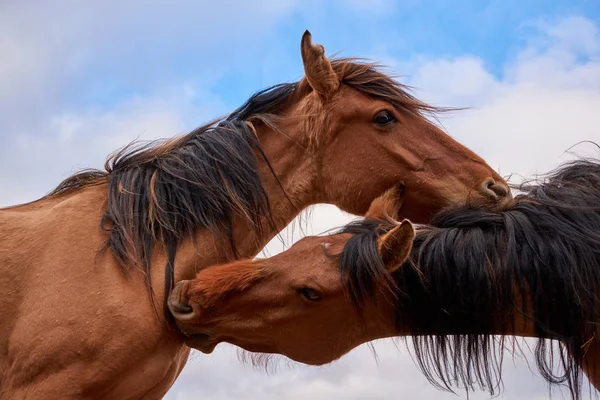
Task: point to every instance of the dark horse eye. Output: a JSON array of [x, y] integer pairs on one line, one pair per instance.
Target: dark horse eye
[[310, 294], [384, 118]]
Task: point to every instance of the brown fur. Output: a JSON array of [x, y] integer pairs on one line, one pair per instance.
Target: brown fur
[[216, 284], [388, 205]]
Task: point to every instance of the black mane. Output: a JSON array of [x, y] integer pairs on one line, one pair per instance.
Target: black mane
[[469, 268], [163, 192]]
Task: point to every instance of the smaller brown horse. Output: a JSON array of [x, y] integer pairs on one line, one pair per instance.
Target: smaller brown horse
[[532, 270]]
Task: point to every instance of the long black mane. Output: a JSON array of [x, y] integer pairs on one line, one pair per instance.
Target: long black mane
[[472, 270]]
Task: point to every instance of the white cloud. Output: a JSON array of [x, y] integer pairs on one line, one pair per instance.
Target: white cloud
[[576, 33], [357, 376], [52, 58], [68, 142], [458, 82], [545, 101], [56, 52]]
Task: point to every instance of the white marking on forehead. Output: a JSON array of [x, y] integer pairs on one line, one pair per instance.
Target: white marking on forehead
[[325, 245]]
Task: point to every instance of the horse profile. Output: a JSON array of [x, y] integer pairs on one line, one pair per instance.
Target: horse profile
[[85, 270], [531, 270]]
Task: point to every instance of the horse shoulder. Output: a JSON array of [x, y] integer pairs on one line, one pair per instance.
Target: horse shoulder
[[72, 312]]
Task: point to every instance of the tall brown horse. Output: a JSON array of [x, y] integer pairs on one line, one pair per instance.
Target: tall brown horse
[[83, 271], [531, 270]]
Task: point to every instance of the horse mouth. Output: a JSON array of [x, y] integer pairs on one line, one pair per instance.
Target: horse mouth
[[201, 341], [206, 343]]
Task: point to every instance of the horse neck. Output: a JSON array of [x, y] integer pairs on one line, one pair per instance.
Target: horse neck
[[289, 192]]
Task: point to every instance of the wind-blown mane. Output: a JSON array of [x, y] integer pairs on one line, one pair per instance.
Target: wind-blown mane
[[472, 270], [163, 192]]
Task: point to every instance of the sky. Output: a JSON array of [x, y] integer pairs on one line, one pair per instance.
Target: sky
[[79, 80]]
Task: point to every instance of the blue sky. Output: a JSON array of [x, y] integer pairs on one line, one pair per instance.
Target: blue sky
[[245, 59], [79, 80]]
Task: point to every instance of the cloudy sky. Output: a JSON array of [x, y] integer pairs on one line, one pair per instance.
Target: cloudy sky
[[80, 79]]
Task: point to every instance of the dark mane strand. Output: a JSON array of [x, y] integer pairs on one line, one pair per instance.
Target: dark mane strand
[[162, 192], [476, 269], [270, 101], [361, 267], [210, 175], [369, 79]]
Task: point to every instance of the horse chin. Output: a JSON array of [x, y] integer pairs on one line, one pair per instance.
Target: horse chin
[[202, 342]]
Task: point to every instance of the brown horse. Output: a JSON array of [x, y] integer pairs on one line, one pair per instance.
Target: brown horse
[[85, 269], [531, 270]]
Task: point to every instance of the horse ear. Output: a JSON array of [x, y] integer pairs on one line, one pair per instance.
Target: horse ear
[[394, 247], [387, 206], [317, 68]]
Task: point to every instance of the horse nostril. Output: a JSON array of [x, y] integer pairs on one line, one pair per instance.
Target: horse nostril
[[178, 302], [177, 308], [490, 188], [500, 189]]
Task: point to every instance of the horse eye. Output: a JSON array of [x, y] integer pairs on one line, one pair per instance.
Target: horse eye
[[384, 118], [310, 294]]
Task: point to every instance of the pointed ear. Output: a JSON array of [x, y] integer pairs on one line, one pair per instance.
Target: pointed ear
[[394, 247], [317, 68], [387, 206]]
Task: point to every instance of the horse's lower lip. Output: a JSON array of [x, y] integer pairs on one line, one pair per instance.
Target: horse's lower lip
[[257, 348], [201, 341]]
